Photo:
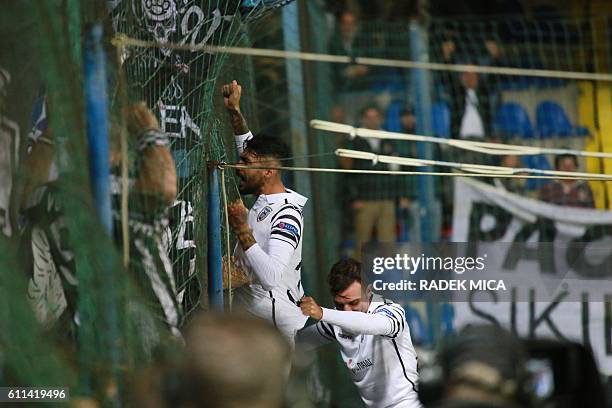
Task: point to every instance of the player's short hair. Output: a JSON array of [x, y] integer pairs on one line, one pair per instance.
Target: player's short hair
[[343, 274], [561, 157], [268, 146]]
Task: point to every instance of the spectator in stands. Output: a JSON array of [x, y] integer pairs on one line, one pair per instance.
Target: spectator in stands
[[154, 188], [482, 366], [53, 285], [513, 185], [221, 367], [444, 51], [373, 197], [495, 56], [407, 119], [470, 109], [455, 50], [48, 260], [571, 193], [470, 119], [348, 40], [353, 82]]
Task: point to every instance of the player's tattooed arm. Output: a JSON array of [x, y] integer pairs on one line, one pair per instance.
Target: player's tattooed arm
[[231, 98], [238, 122], [237, 214]]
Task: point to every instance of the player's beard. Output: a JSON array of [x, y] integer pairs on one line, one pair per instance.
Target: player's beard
[[249, 185]]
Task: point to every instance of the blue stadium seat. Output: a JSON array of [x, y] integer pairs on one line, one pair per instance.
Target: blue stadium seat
[[552, 121], [536, 162], [440, 119], [392, 116], [391, 80], [511, 120]]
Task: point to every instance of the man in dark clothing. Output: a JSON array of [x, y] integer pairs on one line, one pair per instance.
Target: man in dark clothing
[[348, 40], [470, 108], [571, 193], [373, 197]]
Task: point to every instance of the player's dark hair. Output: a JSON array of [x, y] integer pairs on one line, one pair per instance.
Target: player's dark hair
[[343, 274], [561, 157], [268, 146]]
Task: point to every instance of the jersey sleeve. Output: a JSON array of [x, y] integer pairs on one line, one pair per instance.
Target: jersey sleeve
[[386, 320], [314, 336], [287, 226], [395, 313]]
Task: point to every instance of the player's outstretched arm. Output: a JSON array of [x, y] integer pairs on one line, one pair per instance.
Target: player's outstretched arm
[[388, 320], [231, 98]]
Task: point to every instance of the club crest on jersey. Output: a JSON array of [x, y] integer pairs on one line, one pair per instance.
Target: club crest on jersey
[[264, 213], [288, 227]]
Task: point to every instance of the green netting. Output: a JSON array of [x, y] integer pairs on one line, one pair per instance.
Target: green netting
[[99, 324]]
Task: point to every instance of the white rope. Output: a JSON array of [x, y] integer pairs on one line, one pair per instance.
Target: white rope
[[122, 39], [476, 146], [227, 241], [600, 177], [473, 168]]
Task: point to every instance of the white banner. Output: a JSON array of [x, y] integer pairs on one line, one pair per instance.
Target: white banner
[[556, 259]]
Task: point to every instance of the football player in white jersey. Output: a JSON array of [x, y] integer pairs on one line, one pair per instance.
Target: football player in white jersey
[[373, 336], [269, 248]]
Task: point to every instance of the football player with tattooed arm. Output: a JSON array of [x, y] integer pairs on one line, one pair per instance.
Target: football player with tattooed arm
[[373, 336], [269, 247]]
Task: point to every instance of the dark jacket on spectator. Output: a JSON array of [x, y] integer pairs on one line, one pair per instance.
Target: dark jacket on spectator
[[358, 48], [374, 186], [457, 107], [578, 195]]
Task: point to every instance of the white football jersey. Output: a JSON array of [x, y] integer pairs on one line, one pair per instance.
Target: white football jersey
[[276, 217], [383, 367]]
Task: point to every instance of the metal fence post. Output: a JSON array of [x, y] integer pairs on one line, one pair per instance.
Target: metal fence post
[[96, 108], [421, 86], [215, 254]]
